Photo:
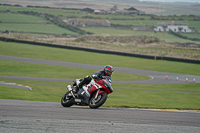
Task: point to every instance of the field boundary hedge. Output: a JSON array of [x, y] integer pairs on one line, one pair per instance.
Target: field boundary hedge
[[183, 37], [101, 51]]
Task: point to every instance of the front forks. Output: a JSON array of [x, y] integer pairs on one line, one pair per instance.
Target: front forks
[[96, 94], [70, 90]]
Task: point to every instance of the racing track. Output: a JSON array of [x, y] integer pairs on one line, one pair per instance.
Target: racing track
[[31, 116], [157, 77]]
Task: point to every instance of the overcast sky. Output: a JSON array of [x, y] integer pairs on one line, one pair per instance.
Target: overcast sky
[[174, 0]]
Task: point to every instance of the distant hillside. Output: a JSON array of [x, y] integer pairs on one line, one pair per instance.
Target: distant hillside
[[196, 5], [148, 7]]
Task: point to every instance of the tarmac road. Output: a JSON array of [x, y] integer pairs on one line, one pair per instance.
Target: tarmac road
[[30, 116], [157, 77]]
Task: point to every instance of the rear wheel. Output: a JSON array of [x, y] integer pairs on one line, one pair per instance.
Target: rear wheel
[[66, 100], [97, 102]]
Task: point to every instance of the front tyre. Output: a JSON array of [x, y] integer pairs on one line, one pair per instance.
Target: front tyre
[[66, 100], [100, 100]]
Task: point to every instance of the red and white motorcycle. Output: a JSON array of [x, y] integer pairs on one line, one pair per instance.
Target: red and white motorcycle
[[93, 94]]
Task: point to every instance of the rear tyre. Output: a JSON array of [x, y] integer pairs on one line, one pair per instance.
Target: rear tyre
[[100, 100], [66, 100]]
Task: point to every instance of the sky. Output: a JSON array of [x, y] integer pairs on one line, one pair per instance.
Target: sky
[[173, 0]]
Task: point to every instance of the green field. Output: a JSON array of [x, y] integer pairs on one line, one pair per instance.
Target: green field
[[53, 29], [179, 96], [129, 96], [191, 24], [192, 35], [27, 23], [41, 10], [162, 35], [11, 17], [46, 71], [174, 96], [64, 14], [41, 52]]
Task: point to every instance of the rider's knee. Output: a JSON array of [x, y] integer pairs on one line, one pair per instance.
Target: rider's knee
[[87, 79]]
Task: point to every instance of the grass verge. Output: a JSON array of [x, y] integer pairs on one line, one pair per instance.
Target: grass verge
[[41, 52], [50, 71], [182, 96], [128, 96]]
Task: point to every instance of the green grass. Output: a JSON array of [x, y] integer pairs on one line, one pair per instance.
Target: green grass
[[40, 10], [51, 71], [132, 96], [191, 24], [41, 91], [194, 24], [41, 52], [36, 28], [67, 13], [11, 17], [167, 87], [162, 35], [153, 99], [192, 35], [140, 96]]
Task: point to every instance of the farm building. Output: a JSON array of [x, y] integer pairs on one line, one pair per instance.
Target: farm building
[[88, 22], [134, 11], [100, 12], [86, 11], [173, 26], [113, 10], [129, 11]]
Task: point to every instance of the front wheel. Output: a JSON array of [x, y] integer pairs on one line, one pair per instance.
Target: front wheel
[[66, 100], [100, 100]]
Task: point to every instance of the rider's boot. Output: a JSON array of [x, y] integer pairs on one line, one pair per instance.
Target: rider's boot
[[74, 86], [76, 89]]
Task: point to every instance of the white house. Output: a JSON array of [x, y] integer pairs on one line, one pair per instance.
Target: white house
[[174, 26]]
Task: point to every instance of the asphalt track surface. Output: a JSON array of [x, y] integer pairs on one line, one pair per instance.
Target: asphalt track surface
[[30, 116]]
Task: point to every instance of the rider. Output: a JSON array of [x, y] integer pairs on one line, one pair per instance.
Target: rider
[[107, 71]]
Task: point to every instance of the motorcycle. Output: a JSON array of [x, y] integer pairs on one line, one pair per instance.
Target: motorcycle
[[93, 94]]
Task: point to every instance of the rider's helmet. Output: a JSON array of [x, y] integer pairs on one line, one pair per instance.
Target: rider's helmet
[[108, 70]]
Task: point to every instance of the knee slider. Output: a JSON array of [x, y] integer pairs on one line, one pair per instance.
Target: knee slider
[[87, 79]]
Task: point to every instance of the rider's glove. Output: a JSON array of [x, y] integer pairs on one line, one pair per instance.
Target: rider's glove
[[94, 76]]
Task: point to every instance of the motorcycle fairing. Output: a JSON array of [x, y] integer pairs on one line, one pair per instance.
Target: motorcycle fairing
[[83, 98], [104, 86], [107, 84]]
